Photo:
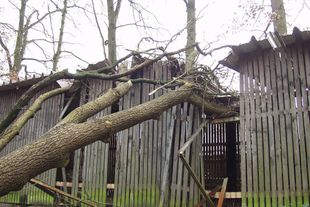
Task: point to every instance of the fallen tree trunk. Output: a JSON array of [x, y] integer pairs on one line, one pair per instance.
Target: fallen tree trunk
[[53, 148]]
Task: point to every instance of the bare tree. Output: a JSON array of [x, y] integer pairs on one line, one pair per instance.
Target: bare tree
[[31, 19]]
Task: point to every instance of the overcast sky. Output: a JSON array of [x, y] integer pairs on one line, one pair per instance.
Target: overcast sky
[[219, 22]]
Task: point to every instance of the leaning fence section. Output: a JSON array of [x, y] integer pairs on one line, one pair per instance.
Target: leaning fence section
[[148, 171], [275, 130], [42, 121]]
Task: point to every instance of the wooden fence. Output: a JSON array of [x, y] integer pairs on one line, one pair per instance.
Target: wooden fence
[[140, 166], [35, 127], [148, 171], [274, 126]]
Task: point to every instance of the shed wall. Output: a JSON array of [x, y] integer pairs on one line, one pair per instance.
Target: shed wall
[[274, 127]]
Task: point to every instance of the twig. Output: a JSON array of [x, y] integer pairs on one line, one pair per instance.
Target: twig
[[163, 86], [211, 51]]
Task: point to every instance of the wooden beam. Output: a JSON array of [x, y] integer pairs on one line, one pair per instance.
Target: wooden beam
[[222, 193], [56, 190]]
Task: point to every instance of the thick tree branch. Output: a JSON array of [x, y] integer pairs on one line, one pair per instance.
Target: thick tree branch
[[15, 127], [89, 109], [212, 108]]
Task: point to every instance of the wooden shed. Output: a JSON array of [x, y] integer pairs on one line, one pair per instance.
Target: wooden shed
[[274, 119], [140, 165]]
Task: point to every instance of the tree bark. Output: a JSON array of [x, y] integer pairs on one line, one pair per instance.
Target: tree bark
[[279, 21]]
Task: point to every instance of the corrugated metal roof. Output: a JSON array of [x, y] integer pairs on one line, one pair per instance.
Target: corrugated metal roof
[[232, 60]]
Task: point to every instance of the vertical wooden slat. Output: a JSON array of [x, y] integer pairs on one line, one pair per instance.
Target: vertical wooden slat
[[277, 148], [294, 144], [124, 157], [252, 136], [158, 155], [288, 119], [145, 145], [196, 121], [188, 133], [175, 156], [306, 55], [149, 136], [263, 64], [271, 142], [128, 194], [256, 134], [137, 188], [153, 142], [304, 121], [117, 189], [280, 65], [299, 119], [180, 184], [243, 127]]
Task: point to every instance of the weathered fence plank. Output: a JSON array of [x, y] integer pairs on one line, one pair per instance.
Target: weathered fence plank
[[269, 67]]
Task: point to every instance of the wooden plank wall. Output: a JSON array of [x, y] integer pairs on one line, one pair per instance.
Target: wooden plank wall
[[90, 166], [148, 171], [43, 120], [275, 131]]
